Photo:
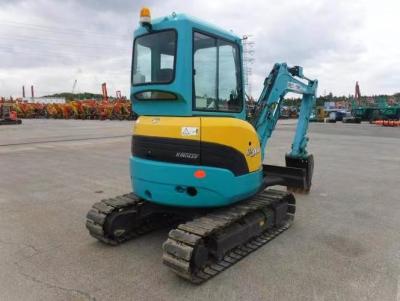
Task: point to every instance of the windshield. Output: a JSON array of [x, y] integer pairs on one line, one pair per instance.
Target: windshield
[[154, 58]]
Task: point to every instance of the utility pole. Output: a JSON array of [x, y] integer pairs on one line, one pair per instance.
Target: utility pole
[[74, 86], [23, 91], [104, 91], [357, 95]]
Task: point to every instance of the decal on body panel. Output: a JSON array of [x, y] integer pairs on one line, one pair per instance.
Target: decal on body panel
[[252, 151], [189, 131]]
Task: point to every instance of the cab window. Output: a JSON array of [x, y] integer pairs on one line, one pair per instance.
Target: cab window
[[216, 74], [154, 58]]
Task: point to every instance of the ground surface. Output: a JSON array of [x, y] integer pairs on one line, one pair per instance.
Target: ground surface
[[344, 245]]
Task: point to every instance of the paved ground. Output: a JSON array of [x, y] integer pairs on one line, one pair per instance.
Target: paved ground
[[344, 245]]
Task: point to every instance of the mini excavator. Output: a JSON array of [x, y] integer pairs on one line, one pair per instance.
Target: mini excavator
[[197, 158]]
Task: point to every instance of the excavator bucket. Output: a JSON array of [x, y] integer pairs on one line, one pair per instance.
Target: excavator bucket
[[307, 165]]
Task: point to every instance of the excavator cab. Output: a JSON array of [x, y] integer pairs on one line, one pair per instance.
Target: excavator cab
[[185, 67]]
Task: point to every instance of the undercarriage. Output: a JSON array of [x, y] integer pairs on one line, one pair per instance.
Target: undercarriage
[[202, 242]]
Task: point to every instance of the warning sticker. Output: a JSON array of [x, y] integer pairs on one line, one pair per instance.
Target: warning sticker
[[189, 131]]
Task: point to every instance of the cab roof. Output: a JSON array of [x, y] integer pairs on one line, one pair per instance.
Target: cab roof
[[176, 21]]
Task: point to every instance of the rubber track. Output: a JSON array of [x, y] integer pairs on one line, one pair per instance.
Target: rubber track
[[181, 243], [97, 217]]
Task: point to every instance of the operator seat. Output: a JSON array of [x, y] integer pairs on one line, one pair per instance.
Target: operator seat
[[164, 75]]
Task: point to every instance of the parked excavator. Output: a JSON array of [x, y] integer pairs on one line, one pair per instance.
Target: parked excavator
[[197, 162]]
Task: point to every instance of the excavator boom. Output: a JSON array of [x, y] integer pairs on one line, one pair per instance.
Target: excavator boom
[[279, 82]]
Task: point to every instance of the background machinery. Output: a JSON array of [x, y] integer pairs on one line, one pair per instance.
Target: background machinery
[[376, 108], [318, 114], [197, 161], [8, 114]]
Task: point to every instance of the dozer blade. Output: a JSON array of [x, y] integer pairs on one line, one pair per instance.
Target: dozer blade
[[204, 247], [296, 176]]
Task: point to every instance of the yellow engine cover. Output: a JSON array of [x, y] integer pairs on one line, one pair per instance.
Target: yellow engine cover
[[234, 133]]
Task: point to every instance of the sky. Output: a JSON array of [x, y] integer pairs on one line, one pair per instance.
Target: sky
[[52, 43]]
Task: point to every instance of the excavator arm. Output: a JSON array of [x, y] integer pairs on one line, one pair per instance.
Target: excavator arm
[[299, 165], [281, 81]]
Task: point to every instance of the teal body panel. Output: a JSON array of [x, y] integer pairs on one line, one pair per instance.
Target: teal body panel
[[183, 81], [166, 183]]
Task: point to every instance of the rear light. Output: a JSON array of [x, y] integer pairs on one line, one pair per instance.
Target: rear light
[[200, 174]]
